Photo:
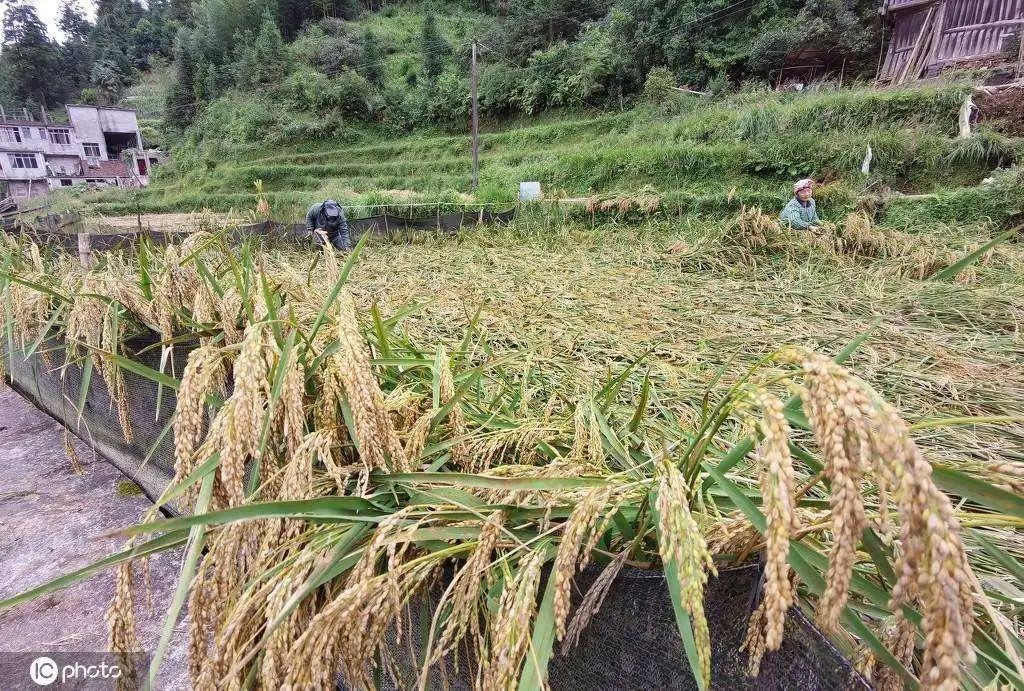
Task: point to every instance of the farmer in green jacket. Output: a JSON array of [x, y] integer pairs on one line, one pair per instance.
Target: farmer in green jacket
[[801, 212], [327, 223]]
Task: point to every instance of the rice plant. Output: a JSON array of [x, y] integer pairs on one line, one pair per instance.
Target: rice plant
[[341, 451]]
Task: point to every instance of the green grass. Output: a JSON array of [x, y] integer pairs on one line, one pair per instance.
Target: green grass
[[699, 155]]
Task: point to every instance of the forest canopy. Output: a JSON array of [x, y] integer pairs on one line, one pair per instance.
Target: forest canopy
[[331, 57]]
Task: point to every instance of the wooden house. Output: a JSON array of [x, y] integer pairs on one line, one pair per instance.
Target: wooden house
[[927, 35]]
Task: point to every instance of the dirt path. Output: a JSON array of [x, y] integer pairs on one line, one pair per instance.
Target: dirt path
[[51, 520]]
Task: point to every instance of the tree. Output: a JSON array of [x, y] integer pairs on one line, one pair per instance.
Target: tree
[[76, 53], [72, 21], [112, 40], [291, 14], [181, 101], [270, 60], [30, 59], [435, 48], [372, 60], [154, 34]]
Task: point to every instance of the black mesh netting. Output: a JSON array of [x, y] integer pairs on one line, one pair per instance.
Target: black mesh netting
[[632, 643], [55, 387], [387, 226]]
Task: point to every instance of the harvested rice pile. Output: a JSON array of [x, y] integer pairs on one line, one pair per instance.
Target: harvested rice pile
[[482, 407]]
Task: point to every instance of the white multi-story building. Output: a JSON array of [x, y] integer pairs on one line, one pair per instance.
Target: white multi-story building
[[98, 146]]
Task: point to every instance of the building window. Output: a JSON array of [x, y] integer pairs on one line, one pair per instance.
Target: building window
[[92, 150], [60, 135], [65, 182], [24, 161], [26, 133], [10, 134]]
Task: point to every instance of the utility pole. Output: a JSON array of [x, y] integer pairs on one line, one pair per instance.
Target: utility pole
[[476, 142]]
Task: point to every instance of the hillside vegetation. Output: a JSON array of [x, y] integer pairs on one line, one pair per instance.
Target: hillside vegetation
[[696, 154]]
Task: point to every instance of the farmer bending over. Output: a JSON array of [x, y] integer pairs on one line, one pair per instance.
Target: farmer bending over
[[801, 212], [327, 223]]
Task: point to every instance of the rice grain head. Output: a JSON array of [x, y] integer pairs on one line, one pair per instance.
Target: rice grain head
[[511, 626], [778, 492], [573, 555], [681, 543]]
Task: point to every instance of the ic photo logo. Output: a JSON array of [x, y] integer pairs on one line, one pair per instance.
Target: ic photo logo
[[43, 671]]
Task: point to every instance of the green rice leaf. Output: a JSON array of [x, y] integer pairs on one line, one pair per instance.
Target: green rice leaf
[[164, 542], [196, 541], [484, 482], [955, 268], [975, 489]]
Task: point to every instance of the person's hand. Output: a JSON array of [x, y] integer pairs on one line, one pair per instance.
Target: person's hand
[[322, 233]]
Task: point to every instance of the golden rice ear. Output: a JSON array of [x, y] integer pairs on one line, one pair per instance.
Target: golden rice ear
[[681, 543], [778, 492], [573, 554], [120, 617], [379, 445], [456, 416], [857, 432], [511, 628], [243, 413], [203, 375], [466, 593]]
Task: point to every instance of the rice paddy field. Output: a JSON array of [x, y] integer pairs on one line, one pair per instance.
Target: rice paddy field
[[645, 371], [489, 412]]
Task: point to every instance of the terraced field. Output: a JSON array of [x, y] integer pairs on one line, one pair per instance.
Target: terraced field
[[704, 156]]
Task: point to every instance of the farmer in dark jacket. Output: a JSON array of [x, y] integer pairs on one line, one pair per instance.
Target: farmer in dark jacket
[[327, 223], [801, 211]]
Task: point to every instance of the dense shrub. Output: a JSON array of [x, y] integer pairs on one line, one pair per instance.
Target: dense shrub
[[327, 47], [346, 93]]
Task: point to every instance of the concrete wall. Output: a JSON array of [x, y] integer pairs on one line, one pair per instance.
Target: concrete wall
[[91, 122], [9, 172], [36, 138], [21, 189], [64, 165]]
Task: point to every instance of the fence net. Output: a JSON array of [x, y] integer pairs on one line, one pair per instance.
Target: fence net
[[633, 643], [388, 226]]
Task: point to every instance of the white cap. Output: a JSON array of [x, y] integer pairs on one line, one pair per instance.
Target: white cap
[[800, 184]]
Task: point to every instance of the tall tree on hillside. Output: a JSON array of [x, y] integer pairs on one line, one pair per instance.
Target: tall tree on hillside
[[116, 56], [435, 48], [30, 58], [76, 53], [72, 21], [270, 60], [154, 34], [181, 101], [372, 62], [181, 10]]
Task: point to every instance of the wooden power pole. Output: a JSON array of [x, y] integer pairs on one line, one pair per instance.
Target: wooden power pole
[[476, 141]]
